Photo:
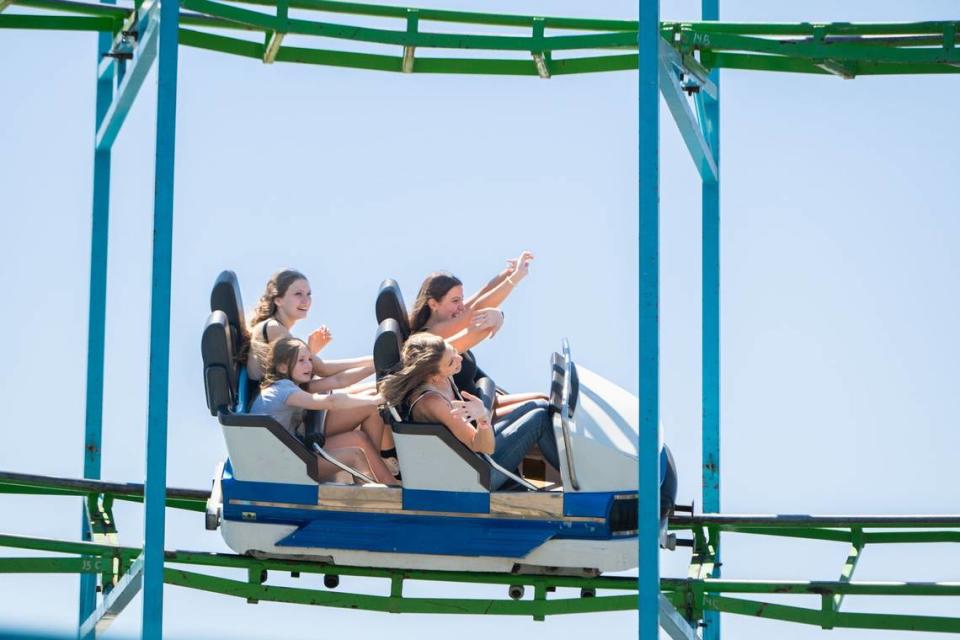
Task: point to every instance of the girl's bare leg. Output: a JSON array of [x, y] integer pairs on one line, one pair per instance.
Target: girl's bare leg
[[350, 456], [386, 442], [371, 460], [345, 420]]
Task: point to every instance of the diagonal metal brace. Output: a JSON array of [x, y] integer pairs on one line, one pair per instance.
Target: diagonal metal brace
[[114, 602], [675, 624], [146, 53], [676, 99]]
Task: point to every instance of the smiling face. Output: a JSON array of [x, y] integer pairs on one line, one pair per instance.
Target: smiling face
[[449, 306], [295, 303], [449, 363], [301, 369]]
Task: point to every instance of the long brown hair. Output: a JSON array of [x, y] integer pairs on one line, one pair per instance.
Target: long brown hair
[[276, 288], [421, 358], [437, 285], [282, 352]]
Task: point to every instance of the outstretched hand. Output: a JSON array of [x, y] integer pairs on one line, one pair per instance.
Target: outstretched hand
[[520, 266], [318, 339], [470, 409]]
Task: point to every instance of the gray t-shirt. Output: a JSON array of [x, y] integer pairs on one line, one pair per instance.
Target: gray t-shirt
[[273, 402]]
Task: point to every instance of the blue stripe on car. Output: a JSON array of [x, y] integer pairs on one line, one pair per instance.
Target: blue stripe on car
[[457, 501]]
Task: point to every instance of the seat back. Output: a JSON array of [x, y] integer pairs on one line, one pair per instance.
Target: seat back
[[220, 368], [390, 305], [387, 347], [225, 297]]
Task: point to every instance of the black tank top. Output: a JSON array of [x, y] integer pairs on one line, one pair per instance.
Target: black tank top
[[466, 379]]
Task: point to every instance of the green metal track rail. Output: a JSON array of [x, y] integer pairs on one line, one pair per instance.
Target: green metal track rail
[[691, 596], [530, 45]]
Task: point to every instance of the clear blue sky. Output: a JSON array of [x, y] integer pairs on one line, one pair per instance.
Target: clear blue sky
[[839, 271]]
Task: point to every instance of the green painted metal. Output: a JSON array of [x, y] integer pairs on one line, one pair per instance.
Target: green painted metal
[[23, 483], [693, 596], [830, 620], [843, 49], [60, 23]]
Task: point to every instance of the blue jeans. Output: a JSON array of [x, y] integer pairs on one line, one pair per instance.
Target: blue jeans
[[529, 423]]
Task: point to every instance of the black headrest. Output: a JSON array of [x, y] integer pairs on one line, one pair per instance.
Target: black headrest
[[390, 306], [386, 347], [220, 371], [225, 297]]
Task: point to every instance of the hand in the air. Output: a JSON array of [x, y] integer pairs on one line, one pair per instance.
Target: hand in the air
[[520, 266], [318, 339]]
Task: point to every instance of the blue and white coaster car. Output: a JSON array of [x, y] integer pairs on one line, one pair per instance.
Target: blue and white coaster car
[[269, 500]]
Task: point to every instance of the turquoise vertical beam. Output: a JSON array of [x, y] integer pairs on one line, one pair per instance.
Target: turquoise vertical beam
[[155, 490], [96, 318], [648, 449], [710, 279]]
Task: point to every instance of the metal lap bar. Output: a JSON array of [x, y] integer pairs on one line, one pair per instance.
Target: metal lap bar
[[510, 474], [565, 417]]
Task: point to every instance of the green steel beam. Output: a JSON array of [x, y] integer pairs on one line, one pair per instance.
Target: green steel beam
[[885, 621], [535, 607], [842, 49], [24, 483], [462, 17], [691, 597], [82, 8], [59, 23], [734, 522], [48, 565]]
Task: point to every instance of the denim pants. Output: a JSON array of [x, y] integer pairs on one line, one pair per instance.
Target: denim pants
[[529, 423]]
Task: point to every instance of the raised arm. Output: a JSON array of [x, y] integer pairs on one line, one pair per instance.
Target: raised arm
[[492, 284], [341, 380], [456, 417], [469, 337], [497, 290], [326, 368], [305, 400]]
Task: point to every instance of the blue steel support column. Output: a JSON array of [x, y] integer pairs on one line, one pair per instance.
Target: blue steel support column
[[155, 490], [649, 337], [93, 419], [710, 199]]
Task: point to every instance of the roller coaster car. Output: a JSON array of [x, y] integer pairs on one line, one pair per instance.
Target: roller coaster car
[[269, 500]]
